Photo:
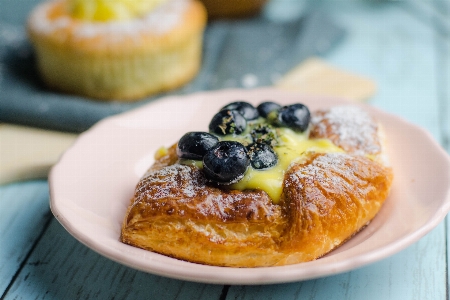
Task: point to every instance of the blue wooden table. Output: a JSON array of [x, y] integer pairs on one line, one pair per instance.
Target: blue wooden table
[[404, 46]]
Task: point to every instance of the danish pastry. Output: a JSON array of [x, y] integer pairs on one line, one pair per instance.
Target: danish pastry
[[120, 50], [266, 186]]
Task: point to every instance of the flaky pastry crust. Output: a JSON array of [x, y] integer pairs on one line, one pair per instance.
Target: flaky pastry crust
[[326, 199]]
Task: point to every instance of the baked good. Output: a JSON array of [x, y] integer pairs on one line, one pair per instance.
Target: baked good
[[266, 186], [117, 49], [233, 8]]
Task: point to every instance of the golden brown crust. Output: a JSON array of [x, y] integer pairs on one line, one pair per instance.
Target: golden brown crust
[[326, 199], [201, 223]]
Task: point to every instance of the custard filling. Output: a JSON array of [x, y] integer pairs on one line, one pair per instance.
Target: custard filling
[[293, 147], [111, 10], [290, 147]]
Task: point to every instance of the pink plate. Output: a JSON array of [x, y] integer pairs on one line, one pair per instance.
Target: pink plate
[[92, 184]]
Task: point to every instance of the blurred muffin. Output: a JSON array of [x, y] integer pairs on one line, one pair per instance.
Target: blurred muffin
[[117, 49], [233, 8]]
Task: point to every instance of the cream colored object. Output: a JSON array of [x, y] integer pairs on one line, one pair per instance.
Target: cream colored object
[[29, 153], [315, 77]]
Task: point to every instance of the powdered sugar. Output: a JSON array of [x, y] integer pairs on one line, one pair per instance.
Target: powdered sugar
[[158, 21], [350, 127], [330, 162], [162, 183], [332, 173], [181, 189]]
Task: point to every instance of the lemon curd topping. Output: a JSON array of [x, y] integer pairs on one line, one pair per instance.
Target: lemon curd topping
[[162, 151], [111, 10], [292, 147], [191, 162]]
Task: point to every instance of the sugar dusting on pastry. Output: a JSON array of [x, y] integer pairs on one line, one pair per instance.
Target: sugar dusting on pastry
[[158, 21], [331, 164], [184, 183], [348, 127], [162, 182]]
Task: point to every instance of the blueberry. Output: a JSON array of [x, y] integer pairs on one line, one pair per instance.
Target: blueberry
[[226, 162], [266, 107], [227, 122], [248, 111], [295, 116], [194, 145], [262, 156]]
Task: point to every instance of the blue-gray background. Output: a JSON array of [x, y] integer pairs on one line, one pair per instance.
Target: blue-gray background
[[275, 47]]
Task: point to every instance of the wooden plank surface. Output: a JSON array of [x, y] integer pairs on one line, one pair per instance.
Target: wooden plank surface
[[24, 214], [62, 268], [409, 61], [444, 96]]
